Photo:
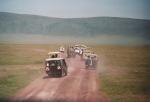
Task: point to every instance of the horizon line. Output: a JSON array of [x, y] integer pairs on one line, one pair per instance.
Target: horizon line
[[71, 17]]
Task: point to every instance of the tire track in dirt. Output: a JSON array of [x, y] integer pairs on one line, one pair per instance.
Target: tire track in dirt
[[79, 86], [52, 88], [37, 88], [68, 90], [84, 87]]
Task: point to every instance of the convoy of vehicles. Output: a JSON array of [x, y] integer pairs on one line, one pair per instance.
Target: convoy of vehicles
[[55, 64]]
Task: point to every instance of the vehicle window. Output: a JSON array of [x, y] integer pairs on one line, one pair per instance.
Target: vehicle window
[[58, 63], [54, 63]]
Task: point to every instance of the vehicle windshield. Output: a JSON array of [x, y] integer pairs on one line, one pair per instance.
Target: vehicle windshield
[[54, 63]]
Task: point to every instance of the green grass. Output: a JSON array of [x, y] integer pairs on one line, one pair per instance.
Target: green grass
[[14, 77], [127, 72], [124, 72], [20, 64]]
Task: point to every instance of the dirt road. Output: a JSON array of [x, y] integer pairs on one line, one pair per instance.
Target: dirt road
[[79, 86]]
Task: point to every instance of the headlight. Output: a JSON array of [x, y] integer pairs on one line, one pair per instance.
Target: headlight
[[47, 64], [47, 69], [58, 67]]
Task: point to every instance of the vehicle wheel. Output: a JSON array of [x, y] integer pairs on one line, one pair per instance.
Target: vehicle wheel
[[66, 73], [49, 75], [61, 73], [87, 67]]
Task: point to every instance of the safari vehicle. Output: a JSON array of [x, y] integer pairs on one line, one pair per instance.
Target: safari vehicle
[[78, 48], [54, 55], [81, 46], [56, 66], [62, 49], [87, 53], [91, 60]]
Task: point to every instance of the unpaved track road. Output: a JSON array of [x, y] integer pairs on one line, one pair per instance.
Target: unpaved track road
[[78, 86]]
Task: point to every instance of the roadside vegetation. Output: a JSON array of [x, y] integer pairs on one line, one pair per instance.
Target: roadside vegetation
[[14, 77], [16, 54], [124, 73], [19, 65]]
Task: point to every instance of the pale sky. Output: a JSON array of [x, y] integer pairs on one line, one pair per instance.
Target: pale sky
[[79, 8]]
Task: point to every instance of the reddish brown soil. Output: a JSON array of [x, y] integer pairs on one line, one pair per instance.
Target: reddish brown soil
[[78, 86]]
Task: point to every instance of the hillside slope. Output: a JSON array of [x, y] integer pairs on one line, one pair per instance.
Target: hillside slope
[[32, 24], [11, 24]]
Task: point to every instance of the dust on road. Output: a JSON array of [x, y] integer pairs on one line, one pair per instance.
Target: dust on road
[[79, 86]]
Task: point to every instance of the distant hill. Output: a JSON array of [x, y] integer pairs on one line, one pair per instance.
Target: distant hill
[[11, 23]]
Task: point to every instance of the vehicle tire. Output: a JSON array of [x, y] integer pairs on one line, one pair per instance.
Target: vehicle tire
[[61, 73], [87, 67], [49, 75], [66, 73]]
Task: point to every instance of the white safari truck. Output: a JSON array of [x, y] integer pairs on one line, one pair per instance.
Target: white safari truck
[[56, 67]]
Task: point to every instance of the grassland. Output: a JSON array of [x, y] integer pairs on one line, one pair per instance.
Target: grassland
[[124, 73], [16, 54], [19, 65]]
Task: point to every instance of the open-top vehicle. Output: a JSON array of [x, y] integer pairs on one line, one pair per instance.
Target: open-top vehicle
[[87, 53], [81, 46], [56, 66], [62, 49], [54, 55]]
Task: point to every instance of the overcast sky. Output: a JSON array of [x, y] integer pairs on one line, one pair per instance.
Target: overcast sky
[[79, 8]]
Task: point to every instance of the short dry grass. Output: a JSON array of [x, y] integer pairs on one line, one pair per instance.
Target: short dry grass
[[14, 77], [20, 64], [11, 54], [124, 73]]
